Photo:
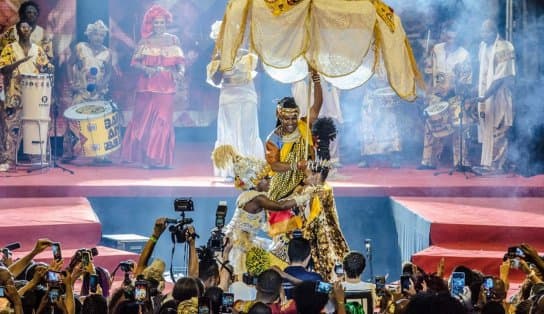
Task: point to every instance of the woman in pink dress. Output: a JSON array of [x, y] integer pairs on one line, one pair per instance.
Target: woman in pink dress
[[149, 138]]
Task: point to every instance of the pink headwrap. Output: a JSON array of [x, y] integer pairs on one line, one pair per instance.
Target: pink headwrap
[[153, 12]]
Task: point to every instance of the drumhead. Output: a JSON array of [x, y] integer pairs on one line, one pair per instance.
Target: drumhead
[[437, 108], [88, 110], [36, 76]]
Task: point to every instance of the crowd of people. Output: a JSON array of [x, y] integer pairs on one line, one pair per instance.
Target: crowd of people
[[213, 285]]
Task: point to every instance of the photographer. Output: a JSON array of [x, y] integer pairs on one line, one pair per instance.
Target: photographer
[[251, 176]]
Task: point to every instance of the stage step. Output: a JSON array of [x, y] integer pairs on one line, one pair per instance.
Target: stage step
[[107, 257], [494, 222], [486, 261], [69, 220]]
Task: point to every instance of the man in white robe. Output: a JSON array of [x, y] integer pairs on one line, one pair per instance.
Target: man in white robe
[[497, 71]]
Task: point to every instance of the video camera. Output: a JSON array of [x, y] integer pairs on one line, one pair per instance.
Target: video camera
[[178, 227], [215, 242], [6, 251]]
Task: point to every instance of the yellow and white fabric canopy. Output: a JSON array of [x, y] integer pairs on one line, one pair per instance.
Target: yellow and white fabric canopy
[[344, 40]]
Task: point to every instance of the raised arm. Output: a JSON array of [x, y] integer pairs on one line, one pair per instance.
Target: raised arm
[[158, 229]]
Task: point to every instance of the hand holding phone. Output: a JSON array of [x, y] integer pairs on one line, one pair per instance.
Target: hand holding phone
[[457, 283], [323, 287], [379, 281], [405, 282], [227, 302], [204, 305], [140, 291], [57, 255], [85, 259]]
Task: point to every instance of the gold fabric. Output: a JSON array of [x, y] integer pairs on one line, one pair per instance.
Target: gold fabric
[[322, 228], [334, 36]]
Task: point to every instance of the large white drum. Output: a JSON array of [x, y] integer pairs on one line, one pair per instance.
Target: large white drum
[[35, 136], [36, 95]]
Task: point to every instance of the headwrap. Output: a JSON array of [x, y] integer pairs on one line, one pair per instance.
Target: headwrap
[[152, 13], [248, 171], [96, 27]]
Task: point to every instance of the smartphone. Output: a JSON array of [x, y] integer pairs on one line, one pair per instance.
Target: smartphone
[[93, 283], [203, 305], [140, 291], [323, 287], [457, 283], [405, 282], [2, 292], [55, 247], [339, 269], [85, 259], [514, 252], [53, 278], [227, 302], [488, 283], [54, 294], [379, 281]]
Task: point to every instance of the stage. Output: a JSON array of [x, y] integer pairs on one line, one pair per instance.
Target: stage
[[407, 213], [193, 175]]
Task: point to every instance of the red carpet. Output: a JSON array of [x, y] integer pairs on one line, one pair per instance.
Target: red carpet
[[192, 175]]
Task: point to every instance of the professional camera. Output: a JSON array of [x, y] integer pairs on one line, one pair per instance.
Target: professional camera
[[178, 228], [215, 242], [126, 266]]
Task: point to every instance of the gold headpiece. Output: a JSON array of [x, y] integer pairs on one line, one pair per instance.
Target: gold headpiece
[[280, 111], [248, 171]]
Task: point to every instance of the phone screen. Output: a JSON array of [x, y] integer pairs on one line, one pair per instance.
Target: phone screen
[[57, 255], [53, 277], [405, 282], [140, 291], [2, 293], [338, 269], [203, 305], [457, 283], [323, 287], [227, 301], [54, 294], [93, 283], [85, 259], [488, 283], [380, 285]]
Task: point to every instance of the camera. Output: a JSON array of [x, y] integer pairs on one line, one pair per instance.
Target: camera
[[183, 205], [178, 228], [215, 242], [514, 252], [249, 280], [83, 255], [54, 279], [126, 266]]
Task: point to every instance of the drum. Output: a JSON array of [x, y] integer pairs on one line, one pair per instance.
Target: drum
[[35, 136], [36, 95], [438, 119], [385, 96], [96, 125]]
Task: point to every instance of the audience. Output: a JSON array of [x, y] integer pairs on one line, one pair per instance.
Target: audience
[[290, 291]]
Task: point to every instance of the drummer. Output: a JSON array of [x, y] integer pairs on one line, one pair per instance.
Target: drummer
[[451, 77], [17, 58], [89, 72]]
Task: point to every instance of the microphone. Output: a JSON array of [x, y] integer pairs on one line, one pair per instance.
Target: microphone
[[367, 246]]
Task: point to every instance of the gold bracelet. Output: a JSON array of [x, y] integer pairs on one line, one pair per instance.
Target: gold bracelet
[[153, 239]]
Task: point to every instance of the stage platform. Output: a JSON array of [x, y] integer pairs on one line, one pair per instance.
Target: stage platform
[[408, 214], [193, 175]]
